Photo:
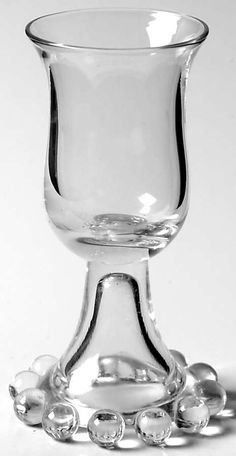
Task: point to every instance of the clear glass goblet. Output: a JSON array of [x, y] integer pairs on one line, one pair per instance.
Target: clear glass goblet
[[116, 189]]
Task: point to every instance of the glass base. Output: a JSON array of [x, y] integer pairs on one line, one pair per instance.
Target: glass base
[[117, 372], [194, 397], [121, 385]]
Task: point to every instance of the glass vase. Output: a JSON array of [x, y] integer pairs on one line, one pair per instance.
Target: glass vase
[[116, 190]]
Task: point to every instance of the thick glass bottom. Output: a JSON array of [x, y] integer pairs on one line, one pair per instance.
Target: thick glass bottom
[[122, 385]]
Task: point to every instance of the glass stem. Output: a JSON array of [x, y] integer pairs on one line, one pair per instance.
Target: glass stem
[[117, 359], [117, 318]]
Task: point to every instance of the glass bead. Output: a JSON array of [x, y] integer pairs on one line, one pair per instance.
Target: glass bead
[[60, 420], [213, 395], [106, 428], [192, 414], [43, 363], [203, 371], [153, 426], [29, 406], [22, 381], [179, 357]]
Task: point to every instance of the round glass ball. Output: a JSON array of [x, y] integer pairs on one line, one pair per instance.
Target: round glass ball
[[43, 363], [203, 371], [106, 428], [29, 406], [179, 357], [192, 414], [153, 426], [213, 395], [60, 420], [22, 381]]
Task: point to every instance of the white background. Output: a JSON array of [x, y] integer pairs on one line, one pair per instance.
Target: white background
[[41, 283]]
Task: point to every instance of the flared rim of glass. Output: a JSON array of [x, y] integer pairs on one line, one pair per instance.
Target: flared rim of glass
[[199, 38]]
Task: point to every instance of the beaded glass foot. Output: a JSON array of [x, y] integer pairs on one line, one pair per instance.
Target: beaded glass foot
[[35, 403]]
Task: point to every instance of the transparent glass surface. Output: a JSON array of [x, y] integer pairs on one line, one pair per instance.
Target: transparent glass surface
[[116, 187]]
